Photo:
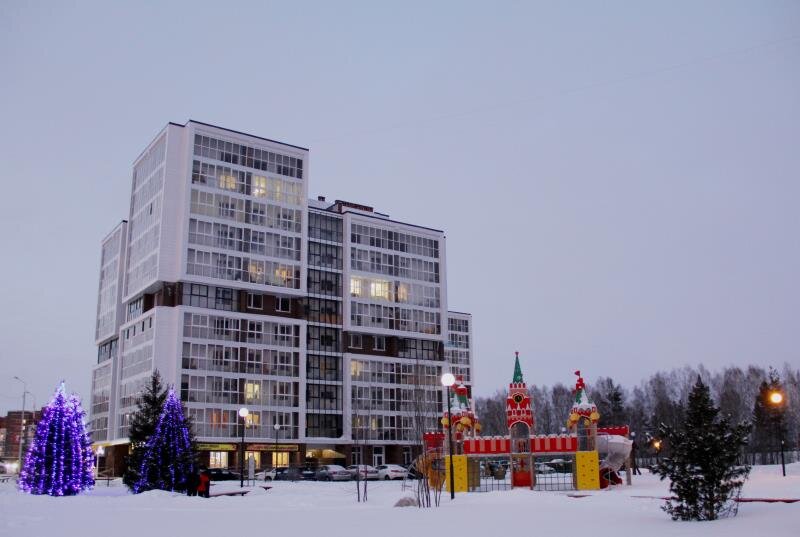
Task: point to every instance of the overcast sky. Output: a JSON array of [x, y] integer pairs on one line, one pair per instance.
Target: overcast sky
[[619, 181]]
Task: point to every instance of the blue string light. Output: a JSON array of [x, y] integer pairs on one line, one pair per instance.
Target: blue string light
[[59, 461], [168, 457]]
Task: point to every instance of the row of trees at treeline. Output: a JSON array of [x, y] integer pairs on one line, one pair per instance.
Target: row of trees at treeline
[[740, 393]]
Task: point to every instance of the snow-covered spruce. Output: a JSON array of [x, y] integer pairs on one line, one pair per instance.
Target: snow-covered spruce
[[703, 465]]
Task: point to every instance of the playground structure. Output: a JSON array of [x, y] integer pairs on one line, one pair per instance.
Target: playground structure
[[567, 461]]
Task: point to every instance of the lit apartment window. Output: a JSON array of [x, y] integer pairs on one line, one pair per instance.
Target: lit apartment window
[[259, 186], [228, 182], [379, 289], [355, 287], [252, 391]]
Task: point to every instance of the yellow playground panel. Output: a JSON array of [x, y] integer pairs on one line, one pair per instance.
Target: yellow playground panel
[[460, 479], [587, 470]]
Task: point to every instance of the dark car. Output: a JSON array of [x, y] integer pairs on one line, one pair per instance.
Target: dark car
[[308, 473], [220, 474], [287, 474]]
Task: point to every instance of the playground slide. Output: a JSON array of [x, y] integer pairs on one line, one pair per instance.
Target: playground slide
[[614, 450]]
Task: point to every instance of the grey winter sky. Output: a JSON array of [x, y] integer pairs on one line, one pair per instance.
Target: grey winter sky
[[619, 181]]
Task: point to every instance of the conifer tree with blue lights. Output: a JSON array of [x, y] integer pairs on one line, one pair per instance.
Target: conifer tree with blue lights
[[168, 458], [60, 460]]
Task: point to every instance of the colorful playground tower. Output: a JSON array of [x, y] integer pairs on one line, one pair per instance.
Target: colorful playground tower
[[520, 445]]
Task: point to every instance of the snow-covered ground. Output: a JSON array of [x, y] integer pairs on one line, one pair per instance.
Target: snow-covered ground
[[330, 510]]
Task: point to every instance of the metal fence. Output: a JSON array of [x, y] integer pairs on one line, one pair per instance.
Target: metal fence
[[554, 472], [485, 474]]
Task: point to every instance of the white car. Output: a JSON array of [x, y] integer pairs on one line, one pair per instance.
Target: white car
[[266, 475], [364, 471], [391, 471]]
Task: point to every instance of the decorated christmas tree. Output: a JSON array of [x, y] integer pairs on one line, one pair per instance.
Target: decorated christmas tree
[[168, 458], [59, 462], [703, 463]]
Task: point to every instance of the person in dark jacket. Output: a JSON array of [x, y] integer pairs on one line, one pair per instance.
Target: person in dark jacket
[[191, 483], [634, 454]]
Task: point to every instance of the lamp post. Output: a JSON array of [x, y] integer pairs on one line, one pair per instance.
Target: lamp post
[[22, 422], [243, 412], [448, 380], [277, 427], [776, 400], [657, 446]]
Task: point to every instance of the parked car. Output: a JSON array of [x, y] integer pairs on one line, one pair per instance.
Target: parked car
[[266, 475], [561, 466], [308, 473], [391, 471], [364, 471], [221, 474], [333, 472], [542, 468], [287, 474]]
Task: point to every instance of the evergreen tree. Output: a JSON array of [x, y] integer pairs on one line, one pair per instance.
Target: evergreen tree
[[59, 462], [769, 424], [702, 462], [168, 457], [142, 426]]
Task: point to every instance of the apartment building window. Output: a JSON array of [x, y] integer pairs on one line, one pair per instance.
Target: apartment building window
[[324, 425], [328, 228], [255, 301], [323, 367], [283, 304], [324, 255], [380, 343], [323, 397], [356, 341], [320, 310], [323, 339], [224, 299], [324, 283]]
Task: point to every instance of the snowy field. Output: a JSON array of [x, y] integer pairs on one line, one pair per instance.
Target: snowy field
[[330, 510]]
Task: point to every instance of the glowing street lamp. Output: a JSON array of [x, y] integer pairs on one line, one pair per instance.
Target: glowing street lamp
[[243, 413], [776, 400], [448, 379], [657, 447], [277, 428]]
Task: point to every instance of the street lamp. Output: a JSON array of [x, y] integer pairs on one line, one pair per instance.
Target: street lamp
[[657, 447], [448, 380], [277, 427], [243, 413], [776, 400], [22, 421]]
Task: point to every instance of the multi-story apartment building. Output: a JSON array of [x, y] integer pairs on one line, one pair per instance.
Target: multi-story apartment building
[[328, 321]]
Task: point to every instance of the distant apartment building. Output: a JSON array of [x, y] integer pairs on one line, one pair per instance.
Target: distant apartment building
[[327, 320]]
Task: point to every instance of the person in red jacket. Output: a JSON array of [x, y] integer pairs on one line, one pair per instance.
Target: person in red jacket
[[204, 483]]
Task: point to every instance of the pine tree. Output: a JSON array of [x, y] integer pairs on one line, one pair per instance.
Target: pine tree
[[702, 463], [168, 457], [142, 425], [59, 462]]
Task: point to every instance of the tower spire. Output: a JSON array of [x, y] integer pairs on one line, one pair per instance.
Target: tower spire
[[517, 369]]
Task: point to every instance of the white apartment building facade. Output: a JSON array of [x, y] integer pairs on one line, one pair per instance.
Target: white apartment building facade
[[328, 321]]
